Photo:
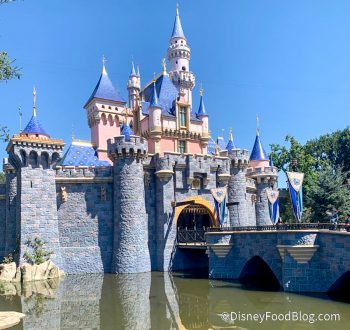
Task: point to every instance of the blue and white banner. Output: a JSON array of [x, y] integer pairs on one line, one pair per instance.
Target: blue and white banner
[[295, 183], [219, 195], [272, 196]]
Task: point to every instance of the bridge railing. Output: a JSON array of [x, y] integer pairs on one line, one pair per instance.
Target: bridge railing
[[285, 226], [191, 235]]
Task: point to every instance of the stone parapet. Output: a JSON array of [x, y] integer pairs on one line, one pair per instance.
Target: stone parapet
[[239, 158], [262, 172], [120, 147]]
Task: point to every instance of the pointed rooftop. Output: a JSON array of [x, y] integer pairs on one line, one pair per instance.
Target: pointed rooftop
[[127, 132], [177, 29], [133, 72], [201, 110], [34, 126], [104, 88], [154, 101], [258, 152], [230, 145]]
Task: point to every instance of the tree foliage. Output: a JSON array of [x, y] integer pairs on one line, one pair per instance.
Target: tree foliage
[[38, 254], [7, 68], [328, 155]]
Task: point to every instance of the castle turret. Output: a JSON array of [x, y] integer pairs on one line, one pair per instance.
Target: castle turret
[[179, 54], [237, 196], [33, 154], [266, 178], [203, 116], [130, 250], [155, 114], [104, 108]]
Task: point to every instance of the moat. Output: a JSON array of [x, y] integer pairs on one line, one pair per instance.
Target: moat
[[161, 301]]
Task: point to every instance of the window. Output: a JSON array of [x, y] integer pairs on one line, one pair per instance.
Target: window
[[183, 68], [183, 116], [181, 148]]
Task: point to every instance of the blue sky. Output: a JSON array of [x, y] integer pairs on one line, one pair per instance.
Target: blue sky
[[288, 61]]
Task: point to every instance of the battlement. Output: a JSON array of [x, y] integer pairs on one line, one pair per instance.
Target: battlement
[[262, 172], [239, 157], [186, 78], [134, 146], [83, 174], [251, 184]]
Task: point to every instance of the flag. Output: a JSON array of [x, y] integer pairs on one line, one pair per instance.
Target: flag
[[295, 183]]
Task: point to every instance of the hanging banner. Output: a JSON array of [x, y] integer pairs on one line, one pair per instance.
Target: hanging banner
[[295, 182], [272, 196], [219, 195]]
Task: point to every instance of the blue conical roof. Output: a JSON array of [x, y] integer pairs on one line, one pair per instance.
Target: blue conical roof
[[201, 110], [177, 29], [230, 145], [127, 132], [258, 152], [34, 127], [105, 90], [133, 72], [154, 101]]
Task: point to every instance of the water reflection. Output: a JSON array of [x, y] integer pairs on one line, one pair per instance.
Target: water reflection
[[155, 301]]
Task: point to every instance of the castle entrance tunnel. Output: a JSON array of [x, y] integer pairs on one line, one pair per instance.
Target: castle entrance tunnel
[[195, 217]]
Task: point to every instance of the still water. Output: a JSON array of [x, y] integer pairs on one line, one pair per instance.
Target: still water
[[163, 301]]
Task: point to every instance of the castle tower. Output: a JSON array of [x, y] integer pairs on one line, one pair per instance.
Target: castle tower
[[134, 88], [179, 54], [266, 178], [237, 196], [155, 113], [33, 154], [202, 115], [105, 111], [130, 250]]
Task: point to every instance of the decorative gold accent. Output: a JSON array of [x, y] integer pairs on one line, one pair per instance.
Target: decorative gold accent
[[64, 194], [164, 66], [200, 201], [77, 142], [34, 102]]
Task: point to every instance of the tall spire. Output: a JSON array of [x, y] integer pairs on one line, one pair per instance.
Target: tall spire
[[34, 102], [138, 71], [177, 29], [201, 110], [155, 101], [230, 145], [164, 66], [133, 72], [104, 71], [258, 152]]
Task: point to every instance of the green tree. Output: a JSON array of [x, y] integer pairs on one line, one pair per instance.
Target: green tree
[[7, 68], [328, 192]]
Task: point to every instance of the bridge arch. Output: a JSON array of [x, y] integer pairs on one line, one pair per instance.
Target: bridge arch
[[198, 201], [340, 289], [256, 272]]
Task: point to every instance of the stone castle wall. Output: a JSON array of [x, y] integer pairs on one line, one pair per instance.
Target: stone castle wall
[[85, 219], [2, 220]]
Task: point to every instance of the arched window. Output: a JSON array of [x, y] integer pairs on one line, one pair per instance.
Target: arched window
[[116, 120], [44, 160], [110, 120], [23, 157], [104, 119], [54, 159], [33, 159]]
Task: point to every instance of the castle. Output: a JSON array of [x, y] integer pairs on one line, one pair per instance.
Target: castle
[[115, 204]]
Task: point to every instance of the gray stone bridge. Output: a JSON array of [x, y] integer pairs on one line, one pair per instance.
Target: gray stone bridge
[[310, 259], [313, 260]]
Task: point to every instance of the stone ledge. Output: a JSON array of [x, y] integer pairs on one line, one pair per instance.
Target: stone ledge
[[84, 179], [221, 250], [300, 253]]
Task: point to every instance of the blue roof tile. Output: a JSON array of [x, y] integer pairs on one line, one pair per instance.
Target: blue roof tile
[[105, 90], [127, 132], [258, 152], [34, 127], [154, 101], [177, 29], [82, 155], [201, 110]]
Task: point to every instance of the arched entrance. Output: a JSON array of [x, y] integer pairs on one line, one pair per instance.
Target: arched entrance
[[195, 217]]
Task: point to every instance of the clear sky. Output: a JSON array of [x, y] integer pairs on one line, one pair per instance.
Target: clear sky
[[288, 61]]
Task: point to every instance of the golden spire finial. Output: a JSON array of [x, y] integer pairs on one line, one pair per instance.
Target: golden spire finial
[[34, 101], [154, 77], [164, 66], [201, 91], [231, 136], [257, 125], [104, 65]]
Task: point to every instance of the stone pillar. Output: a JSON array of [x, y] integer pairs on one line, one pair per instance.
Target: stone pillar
[[130, 250], [262, 204], [237, 188], [11, 220]]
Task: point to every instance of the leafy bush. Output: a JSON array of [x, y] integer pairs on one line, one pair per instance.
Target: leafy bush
[[8, 259], [38, 254]]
